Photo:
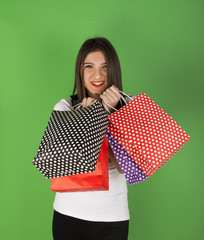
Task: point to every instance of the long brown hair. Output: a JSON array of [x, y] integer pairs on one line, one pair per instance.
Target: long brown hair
[[113, 71]]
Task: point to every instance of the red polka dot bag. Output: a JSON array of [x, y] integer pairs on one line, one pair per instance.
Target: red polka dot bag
[[147, 133], [129, 167]]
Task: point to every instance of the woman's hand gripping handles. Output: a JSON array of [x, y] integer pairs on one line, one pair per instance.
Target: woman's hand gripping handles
[[111, 96]]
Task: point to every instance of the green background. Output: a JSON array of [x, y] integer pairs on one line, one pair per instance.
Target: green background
[[160, 46]]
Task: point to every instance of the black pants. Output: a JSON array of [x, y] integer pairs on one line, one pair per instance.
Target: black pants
[[70, 228]]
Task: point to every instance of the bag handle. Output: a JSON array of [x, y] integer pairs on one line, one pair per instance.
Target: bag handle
[[120, 102], [79, 104], [126, 95]]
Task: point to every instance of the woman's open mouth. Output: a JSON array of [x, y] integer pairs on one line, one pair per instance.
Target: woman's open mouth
[[97, 84]]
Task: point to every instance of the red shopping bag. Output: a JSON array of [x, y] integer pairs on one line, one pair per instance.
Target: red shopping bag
[[91, 181], [149, 135]]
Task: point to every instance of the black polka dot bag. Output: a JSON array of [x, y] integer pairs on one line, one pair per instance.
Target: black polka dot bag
[[146, 132], [98, 180], [72, 141]]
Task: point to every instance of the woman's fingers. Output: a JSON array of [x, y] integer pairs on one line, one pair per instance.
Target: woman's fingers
[[90, 101], [114, 89], [111, 96], [83, 103], [87, 101]]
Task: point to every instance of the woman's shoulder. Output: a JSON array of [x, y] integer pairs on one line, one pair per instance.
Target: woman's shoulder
[[63, 105]]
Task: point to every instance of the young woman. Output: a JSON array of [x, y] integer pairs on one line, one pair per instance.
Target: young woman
[[98, 215]]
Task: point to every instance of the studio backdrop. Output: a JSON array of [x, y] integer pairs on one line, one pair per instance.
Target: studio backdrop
[[160, 47]]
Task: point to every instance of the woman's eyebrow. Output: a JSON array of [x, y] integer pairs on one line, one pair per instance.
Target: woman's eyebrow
[[93, 63]]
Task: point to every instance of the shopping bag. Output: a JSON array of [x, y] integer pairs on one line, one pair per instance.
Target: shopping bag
[[97, 180], [72, 141], [132, 172], [148, 134]]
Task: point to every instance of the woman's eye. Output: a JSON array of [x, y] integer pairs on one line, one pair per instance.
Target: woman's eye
[[105, 66], [88, 66]]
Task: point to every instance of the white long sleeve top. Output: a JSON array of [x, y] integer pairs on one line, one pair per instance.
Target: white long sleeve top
[[105, 206]]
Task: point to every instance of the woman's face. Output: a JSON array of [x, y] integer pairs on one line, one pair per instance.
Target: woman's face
[[95, 74]]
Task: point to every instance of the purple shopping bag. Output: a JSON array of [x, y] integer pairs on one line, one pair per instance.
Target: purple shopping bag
[[129, 167]]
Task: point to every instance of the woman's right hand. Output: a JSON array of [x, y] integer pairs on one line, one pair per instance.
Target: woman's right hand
[[87, 101]]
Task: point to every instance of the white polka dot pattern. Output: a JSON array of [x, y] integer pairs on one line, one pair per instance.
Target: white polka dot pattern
[[131, 170], [72, 141], [149, 135]]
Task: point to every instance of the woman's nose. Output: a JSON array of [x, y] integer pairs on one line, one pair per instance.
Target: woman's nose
[[97, 73]]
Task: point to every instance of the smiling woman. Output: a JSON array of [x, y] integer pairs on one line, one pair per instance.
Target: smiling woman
[[95, 74], [101, 215], [96, 56]]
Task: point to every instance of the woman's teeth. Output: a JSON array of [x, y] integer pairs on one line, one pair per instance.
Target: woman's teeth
[[97, 83]]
